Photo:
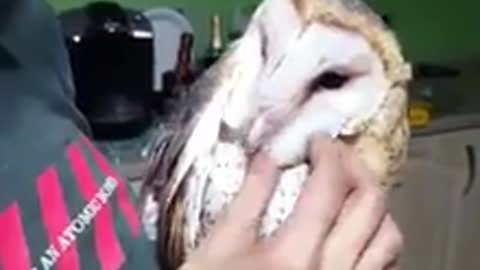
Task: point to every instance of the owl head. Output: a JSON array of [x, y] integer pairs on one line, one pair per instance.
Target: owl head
[[306, 66]]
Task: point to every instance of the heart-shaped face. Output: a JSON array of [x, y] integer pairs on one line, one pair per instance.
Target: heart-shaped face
[[302, 67]]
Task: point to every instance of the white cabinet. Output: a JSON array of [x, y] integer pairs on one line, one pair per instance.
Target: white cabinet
[[426, 205], [464, 248]]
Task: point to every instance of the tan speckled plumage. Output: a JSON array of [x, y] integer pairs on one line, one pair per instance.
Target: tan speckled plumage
[[245, 101]]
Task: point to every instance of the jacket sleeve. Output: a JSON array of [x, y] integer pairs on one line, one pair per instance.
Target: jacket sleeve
[[74, 213]]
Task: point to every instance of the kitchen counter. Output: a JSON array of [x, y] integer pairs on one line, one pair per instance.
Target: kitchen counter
[[447, 124], [129, 156]]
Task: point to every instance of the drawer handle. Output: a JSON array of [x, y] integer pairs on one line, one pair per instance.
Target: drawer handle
[[472, 169]]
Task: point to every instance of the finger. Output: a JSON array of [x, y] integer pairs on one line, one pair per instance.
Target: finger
[[357, 168], [241, 219], [317, 206], [384, 250], [358, 222]]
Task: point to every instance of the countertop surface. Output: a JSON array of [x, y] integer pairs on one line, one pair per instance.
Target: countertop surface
[[446, 124]]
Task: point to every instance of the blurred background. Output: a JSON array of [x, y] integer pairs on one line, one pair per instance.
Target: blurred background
[[430, 30], [134, 59]]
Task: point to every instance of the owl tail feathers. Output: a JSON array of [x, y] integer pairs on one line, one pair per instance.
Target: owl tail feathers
[[170, 252]]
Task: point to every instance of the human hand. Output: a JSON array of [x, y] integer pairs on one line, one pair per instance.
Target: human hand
[[340, 221]]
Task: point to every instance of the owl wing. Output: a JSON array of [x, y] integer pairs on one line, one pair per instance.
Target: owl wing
[[191, 130], [175, 144]]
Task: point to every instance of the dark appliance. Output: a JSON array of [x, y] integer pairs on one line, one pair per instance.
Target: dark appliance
[[111, 53]]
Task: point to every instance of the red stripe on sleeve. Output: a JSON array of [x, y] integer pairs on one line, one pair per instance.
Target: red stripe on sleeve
[[123, 199], [108, 248], [14, 254], [55, 218]]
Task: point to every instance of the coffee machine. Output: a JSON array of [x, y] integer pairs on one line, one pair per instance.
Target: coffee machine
[[111, 52]]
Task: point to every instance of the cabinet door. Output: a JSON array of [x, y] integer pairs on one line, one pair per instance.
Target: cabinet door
[[464, 253], [424, 206]]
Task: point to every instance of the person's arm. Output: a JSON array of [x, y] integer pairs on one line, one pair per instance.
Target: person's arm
[[60, 202]]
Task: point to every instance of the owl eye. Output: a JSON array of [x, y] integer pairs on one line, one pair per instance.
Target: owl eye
[[330, 80]]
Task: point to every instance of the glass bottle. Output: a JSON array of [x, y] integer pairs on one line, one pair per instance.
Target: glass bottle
[[216, 43]]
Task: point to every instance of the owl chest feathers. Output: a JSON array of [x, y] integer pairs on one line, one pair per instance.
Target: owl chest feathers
[[217, 177]]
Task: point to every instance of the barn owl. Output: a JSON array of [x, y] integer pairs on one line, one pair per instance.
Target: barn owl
[[301, 67]]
